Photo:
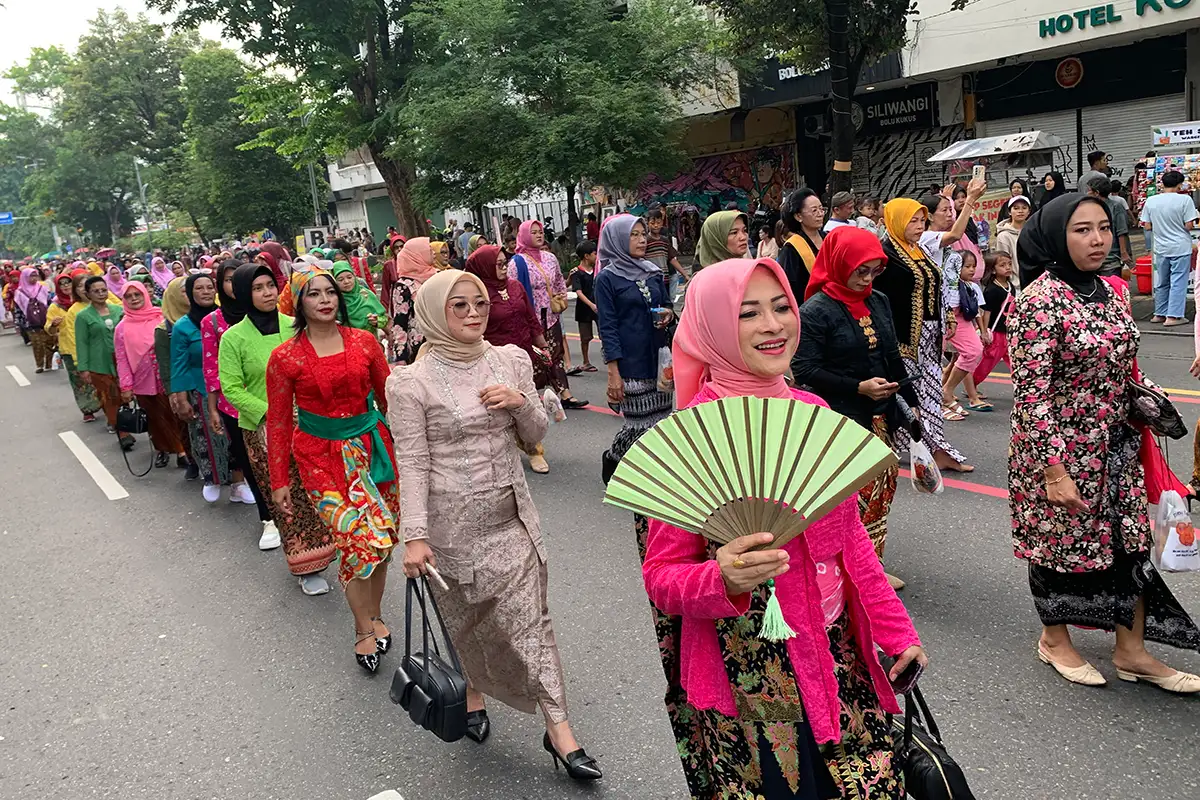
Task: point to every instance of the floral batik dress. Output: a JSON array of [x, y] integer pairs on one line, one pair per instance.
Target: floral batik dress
[[406, 338]]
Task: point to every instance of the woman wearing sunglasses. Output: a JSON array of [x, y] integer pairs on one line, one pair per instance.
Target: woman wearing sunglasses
[[849, 356], [456, 414]]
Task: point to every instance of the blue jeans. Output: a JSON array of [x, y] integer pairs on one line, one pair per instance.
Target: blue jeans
[[1171, 285]]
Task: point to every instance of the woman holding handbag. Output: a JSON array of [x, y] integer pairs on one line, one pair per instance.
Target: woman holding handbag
[[468, 513], [849, 357], [805, 717], [1076, 485], [539, 273]]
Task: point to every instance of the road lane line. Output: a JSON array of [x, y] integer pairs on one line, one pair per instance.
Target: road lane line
[[100, 474], [18, 376]]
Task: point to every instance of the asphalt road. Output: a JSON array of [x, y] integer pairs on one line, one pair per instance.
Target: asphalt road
[[149, 650]]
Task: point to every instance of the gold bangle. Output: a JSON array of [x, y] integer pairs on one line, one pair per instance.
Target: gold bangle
[[1057, 480]]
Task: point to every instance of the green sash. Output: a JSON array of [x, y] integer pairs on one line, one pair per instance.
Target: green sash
[[338, 428]]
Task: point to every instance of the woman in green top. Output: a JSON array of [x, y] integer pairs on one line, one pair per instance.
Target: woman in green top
[[94, 357], [242, 365], [366, 311]]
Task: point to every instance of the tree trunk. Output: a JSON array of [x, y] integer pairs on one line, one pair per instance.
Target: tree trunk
[[114, 221], [844, 76], [399, 178], [199, 230], [572, 216]]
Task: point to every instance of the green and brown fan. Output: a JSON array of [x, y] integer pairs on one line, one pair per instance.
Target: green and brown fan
[[744, 465]]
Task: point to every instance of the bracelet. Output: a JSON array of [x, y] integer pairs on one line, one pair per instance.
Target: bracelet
[[1057, 480]]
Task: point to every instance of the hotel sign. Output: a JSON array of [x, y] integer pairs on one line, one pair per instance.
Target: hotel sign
[[1100, 16]]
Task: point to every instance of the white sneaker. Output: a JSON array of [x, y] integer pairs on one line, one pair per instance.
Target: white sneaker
[[240, 493], [313, 585], [212, 493], [270, 536]]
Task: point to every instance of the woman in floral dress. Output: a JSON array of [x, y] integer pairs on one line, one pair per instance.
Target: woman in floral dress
[[413, 265], [1076, 487], [334, 377]]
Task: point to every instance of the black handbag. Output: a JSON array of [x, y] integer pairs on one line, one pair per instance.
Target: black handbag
[[929, 771], [132, 419], [432, 691], [1151, 407]]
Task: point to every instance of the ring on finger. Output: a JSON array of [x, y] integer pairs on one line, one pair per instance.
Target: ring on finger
[[738, 563]]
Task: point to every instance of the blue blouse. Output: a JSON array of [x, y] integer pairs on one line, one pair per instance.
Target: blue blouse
[[187, 373], [627, 332]]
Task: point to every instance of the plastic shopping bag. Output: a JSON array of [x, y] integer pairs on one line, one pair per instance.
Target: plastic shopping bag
[[666, 370], [926, 477], [553, 406], [1175, 546], [56, 362]]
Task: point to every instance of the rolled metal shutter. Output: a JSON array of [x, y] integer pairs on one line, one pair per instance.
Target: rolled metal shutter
[[1123, 129]]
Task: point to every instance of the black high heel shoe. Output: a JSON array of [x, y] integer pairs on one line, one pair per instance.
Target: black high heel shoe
[[580, 766], [478, 725], [369, 662], [382, 643]]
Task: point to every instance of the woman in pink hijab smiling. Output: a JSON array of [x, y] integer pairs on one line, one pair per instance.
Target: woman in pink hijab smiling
[[161, 275], [806, 716]]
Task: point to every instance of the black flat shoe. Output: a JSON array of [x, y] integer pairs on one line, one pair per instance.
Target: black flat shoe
[[182, 462], [580, 766], [478, 726], [127, 443], [370, 661], [161, 460], [574, 402], [193, 472], [382, 643]]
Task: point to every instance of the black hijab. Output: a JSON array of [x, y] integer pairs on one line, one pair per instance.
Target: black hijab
[[1060, 188], [1042, 247], [231, 309], [197, 312], [267, 322]]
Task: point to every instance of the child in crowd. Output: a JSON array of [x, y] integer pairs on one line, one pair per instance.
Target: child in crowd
[[964, 298], [999, 292], [868, 214], [583, 278]]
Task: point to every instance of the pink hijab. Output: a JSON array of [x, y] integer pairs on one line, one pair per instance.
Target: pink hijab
[[706, 351], [525, 240], [138, 326], [415, 260], [161, 273], [29, 288]]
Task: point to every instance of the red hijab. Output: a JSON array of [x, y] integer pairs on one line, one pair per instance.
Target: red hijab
[[842, 252], [482, 264], [65, 299]]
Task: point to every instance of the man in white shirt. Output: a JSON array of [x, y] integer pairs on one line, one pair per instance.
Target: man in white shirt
[[1171, 216], [842, 212]]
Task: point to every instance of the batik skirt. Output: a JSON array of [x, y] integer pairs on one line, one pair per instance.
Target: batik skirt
[[210, 450], [307, 541], [875, 499], [552, 372], [926, 373], [644, 407], [85, 393]]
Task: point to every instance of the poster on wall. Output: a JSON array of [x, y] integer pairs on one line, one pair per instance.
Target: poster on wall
[[751, 178]]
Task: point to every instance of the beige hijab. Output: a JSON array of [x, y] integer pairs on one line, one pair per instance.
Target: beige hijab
[[431, 316]]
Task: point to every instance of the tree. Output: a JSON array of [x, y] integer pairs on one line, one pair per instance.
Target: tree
[[234, 188], [350, 59], [843, 35], [586, 94]]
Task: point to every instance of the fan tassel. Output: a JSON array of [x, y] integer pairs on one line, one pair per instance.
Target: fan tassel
[[774, 626]]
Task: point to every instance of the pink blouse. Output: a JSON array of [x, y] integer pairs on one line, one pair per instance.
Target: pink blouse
[[212, 328], [142, 379], [537, 280]]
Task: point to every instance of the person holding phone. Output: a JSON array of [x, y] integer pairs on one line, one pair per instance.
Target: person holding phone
[[1077, 489], [849, 357]]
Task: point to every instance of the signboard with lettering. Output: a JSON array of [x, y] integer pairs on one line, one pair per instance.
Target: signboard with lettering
[[1184, 133], [1102, 16], [876, 113], [6, 218]]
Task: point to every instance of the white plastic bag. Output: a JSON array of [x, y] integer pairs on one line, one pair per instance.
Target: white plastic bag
[[1176, 548], [553, 406], [666, 370], [926, 477], [56, 362]]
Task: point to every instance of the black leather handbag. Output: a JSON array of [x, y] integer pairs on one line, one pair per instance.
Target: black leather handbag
[[432, 691], [132, 419], [929, 771], [1150, 406]]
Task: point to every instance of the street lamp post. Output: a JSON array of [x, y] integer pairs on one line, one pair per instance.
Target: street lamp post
[[145, 206]]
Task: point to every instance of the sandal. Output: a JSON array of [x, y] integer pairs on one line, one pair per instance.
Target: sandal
[[589, 367], [950, 415], [982, 406], [575, 371]]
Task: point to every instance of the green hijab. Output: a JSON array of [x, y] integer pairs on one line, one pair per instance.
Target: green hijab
[[361, 301], [713, 235]]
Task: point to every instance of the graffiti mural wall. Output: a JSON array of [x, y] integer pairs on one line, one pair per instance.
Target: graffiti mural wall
[[751, 178]]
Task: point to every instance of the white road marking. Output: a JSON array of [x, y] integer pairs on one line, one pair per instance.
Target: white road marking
[[18, 376], [390, 794], [100, 474]]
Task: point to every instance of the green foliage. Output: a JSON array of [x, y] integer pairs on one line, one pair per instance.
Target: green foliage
[[44, 75], [509, 96], [164, 240]]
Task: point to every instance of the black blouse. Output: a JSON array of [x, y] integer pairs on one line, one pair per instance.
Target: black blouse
[[834, 356], [914, 290]]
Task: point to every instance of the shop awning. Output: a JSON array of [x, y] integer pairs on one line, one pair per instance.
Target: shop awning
[[1026, 142]]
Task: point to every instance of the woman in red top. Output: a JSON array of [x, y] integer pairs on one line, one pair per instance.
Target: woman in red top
[[334, 375], [511, 321]]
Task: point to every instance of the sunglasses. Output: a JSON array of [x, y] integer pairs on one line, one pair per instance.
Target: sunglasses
[[462, 308], [865, 271]]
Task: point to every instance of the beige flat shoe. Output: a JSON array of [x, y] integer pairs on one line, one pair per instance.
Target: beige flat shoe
[[1087, 675], [894, 582], [1179, 683], [538, 464]]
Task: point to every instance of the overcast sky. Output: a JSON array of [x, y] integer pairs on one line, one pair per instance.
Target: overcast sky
[[26, 24]]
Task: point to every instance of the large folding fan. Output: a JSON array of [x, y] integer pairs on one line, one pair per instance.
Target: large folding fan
[[743, 465]]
